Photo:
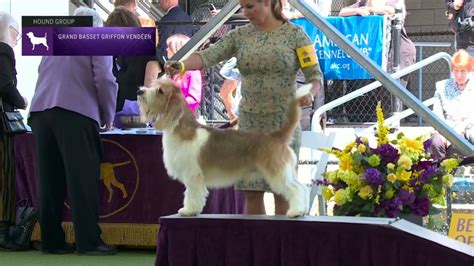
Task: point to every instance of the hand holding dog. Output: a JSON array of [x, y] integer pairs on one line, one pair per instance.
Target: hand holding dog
[[306, 100], [172, 67]]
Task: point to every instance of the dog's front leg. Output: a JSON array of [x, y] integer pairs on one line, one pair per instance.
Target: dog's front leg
[[194, 197]]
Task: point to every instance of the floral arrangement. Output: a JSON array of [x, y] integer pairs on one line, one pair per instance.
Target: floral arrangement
[[397, 176]]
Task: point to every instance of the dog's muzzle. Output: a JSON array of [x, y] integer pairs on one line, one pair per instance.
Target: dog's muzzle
[[140, 92]]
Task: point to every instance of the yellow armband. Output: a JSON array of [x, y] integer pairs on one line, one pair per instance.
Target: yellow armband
[[307, 56]]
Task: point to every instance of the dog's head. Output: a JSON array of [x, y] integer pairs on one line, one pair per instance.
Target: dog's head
[[164, 102], [30, 35]]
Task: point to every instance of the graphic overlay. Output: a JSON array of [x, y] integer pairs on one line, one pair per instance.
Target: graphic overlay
[[65, 36]]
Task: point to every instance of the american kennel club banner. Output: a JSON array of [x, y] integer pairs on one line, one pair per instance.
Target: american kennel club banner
[[74, 35], [366, 33], [88, 41]]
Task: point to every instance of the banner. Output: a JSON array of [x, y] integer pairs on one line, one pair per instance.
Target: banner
[[366, 33]]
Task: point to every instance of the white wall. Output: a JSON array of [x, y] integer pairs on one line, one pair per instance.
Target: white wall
[[27, 66]]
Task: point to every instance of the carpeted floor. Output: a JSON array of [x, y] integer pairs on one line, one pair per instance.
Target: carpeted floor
[[36, 258]]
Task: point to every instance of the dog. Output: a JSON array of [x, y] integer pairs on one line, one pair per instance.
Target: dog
[[37, 40], [203, 157], [107, 175]]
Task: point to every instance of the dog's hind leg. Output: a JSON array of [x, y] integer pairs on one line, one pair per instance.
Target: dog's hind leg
[[285, 184], [194, 196]]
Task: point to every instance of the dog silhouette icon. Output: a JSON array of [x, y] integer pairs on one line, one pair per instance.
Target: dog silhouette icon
[[37, 40]]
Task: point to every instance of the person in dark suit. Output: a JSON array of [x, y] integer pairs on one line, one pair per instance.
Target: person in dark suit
[[173, 13], [11, 99]]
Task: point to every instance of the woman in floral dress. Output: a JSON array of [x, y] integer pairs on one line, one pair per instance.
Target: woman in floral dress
[[269, 52]]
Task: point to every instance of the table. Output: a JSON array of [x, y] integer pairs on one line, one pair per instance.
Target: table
[[236, 240], [140, 189]]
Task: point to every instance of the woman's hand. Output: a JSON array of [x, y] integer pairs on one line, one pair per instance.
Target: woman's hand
[[307, 100], [173, 67], [363, 11]]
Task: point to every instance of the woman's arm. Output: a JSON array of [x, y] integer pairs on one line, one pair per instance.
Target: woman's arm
[[152, 70], [8, 90], [193, 62], [354, 11]]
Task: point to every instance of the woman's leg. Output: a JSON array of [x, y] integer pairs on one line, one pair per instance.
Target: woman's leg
[[281, 205], [254, 202], [51, 181]]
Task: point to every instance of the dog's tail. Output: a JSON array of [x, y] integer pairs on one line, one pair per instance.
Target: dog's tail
[[285, 133]]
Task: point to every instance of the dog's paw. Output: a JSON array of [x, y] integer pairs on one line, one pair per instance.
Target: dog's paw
[[295, 213], [187, 212]]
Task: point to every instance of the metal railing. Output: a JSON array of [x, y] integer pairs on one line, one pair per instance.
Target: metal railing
[[419, 53], [376, 84]]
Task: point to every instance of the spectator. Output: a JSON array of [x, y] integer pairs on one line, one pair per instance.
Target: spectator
[[74, 97], [382, 7], [131, 5], [131, 72], [173, 13], [267, 52], [454, 103], [10, 99], [231, 87], [460, 14], [190, 82]]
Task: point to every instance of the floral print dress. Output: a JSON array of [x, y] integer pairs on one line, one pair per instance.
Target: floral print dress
[[268, 64]]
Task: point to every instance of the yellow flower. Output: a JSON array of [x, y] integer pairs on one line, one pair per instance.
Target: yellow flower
[[361, 148], [392, 177], [390, 166], [382, 129], [366, 192], [364, 140], [342, 196], [404, 162], [374, 160], [351, 178], [413, 147], [389, 193], [449, 164], [333, 177], [346, 162], [327, 192], [349, 146], [448, 180], [404, 176]]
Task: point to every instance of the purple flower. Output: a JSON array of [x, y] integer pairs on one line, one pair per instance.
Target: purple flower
[[421, 206], [406, 197], [421, 165], [428, 173], [427, 145], [392, 207], [373, 176], [387, 153]]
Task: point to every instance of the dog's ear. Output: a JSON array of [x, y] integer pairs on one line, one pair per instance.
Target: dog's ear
[[172, 114]]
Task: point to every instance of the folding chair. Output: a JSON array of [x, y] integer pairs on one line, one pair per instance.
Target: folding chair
[[310, 154]]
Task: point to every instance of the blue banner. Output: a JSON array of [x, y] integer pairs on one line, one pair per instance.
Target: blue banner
[[366, 33]]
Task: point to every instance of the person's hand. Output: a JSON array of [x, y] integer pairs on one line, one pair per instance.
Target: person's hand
[[306, 100], [458, 4], [215, 11], [172, 67], [26, 103], [105, 127], [363, 11]]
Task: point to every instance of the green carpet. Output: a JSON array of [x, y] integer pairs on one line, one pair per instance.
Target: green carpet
[[123, 257]]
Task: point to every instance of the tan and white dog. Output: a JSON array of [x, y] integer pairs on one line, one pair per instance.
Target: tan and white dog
[[203, 157]]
